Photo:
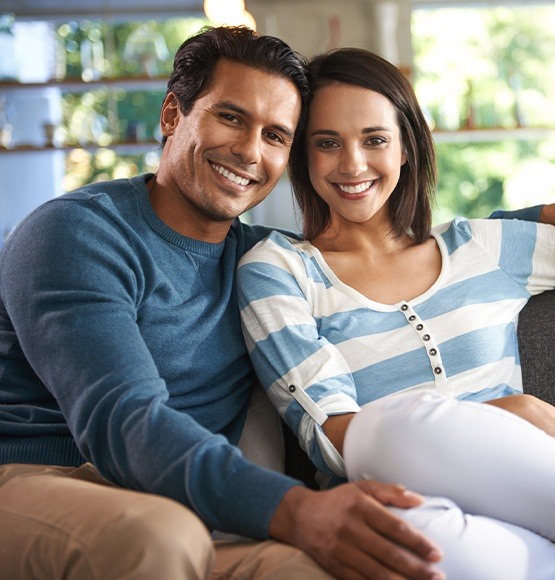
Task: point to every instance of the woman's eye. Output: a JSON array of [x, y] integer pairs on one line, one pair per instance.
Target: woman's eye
[[326, 144], [376, 141]]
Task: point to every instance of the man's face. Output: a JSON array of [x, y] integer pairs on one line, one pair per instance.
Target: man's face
[[228, 153]]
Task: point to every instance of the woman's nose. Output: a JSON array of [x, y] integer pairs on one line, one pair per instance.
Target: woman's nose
[[353, 161]]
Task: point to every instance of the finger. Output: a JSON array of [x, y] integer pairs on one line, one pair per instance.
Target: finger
[[393, 557], [391, 493], [397, 531]]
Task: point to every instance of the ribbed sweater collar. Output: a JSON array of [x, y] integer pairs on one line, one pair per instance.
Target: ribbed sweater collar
[[162, 229]]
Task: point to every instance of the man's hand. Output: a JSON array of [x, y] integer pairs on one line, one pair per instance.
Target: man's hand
[[350, 533], [547, 214]]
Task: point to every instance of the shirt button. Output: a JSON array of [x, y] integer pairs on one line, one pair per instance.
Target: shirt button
[[419, 326], [404, 307], [412, 317], [426, 337], [437, 371], [433, 351], [292, 388]]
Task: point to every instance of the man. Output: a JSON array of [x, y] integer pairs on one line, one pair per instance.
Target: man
[[123, 369]]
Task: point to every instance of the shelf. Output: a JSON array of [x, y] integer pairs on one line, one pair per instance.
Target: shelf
[[80, 85], [491, 134], [458, 136], [134, 146]]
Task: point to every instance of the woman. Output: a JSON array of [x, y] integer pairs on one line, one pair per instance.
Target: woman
[[419, 326]]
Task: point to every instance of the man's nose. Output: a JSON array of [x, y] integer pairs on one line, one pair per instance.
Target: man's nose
[[248, 147]]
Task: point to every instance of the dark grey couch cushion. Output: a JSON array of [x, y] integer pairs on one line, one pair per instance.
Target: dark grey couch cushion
[[536, 336]]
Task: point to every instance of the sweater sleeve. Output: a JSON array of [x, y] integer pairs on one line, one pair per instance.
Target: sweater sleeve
[[305, 375], [531, 214], [74, 307]]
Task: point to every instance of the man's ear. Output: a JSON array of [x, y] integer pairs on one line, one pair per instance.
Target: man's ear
[[169, 117]]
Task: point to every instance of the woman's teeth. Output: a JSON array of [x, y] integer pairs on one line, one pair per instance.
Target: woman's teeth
[[231, 176], [355, 188]]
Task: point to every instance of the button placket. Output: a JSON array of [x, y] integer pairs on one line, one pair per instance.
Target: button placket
[[432, 350]]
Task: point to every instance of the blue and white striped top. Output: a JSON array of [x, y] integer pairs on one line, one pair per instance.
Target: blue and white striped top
[[321, 348]]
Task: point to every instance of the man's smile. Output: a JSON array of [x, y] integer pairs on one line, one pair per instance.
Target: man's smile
[[233, 177]]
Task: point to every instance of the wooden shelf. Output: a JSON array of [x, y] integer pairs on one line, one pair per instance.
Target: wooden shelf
[[134, 146], [480, 135], [78, 84], [455, 136]]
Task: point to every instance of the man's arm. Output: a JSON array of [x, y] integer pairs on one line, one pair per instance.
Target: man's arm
[[74, 304], [544, 214], [350, 533]]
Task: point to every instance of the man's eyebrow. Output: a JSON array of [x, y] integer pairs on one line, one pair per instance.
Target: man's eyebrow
[[366, 130], [233, 107]]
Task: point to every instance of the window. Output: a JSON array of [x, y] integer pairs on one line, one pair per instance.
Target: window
[[485, 77]]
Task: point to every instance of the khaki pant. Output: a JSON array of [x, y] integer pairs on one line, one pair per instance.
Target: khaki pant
[[70, 523]]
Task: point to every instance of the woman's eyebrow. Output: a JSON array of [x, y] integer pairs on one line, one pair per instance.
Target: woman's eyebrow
[[364, 131]]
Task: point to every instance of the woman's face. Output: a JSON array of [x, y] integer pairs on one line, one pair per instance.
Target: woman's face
[[354, 151]]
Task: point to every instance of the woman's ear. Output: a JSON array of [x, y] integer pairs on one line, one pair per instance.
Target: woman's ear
[[169, 117]]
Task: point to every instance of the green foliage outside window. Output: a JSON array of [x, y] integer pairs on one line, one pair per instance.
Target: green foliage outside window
[[489, 68]]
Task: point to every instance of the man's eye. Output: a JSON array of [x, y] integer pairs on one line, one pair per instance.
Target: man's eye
[[274, 137], [229, 117]]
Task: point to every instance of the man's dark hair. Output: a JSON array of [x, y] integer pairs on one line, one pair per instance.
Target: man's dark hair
[[410, 202], [197, 57]]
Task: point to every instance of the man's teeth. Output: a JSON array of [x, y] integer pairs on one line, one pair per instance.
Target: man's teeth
[[355, 188], [231, 176]]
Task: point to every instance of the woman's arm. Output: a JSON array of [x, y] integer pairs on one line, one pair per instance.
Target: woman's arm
[[303, 373], [534, 410]]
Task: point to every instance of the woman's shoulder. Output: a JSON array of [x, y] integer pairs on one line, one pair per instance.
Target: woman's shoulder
[[463, 228], [276, 244]]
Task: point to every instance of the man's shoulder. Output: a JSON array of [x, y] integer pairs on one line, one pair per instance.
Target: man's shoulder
[[109, 189], [79, 215]]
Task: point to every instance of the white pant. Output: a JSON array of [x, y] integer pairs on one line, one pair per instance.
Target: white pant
[[497, 470]]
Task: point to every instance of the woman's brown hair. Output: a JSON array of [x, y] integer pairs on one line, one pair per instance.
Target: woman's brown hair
[[410, 203]]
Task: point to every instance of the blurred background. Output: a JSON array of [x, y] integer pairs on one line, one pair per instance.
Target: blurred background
[[81, 86]]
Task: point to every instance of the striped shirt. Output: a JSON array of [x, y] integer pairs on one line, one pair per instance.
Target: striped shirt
[[321, 348]]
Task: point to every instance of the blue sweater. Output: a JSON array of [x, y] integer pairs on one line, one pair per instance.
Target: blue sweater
[[120, 344]]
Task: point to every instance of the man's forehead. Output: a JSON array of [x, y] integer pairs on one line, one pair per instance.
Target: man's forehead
[[249, 89], [233, 74]]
